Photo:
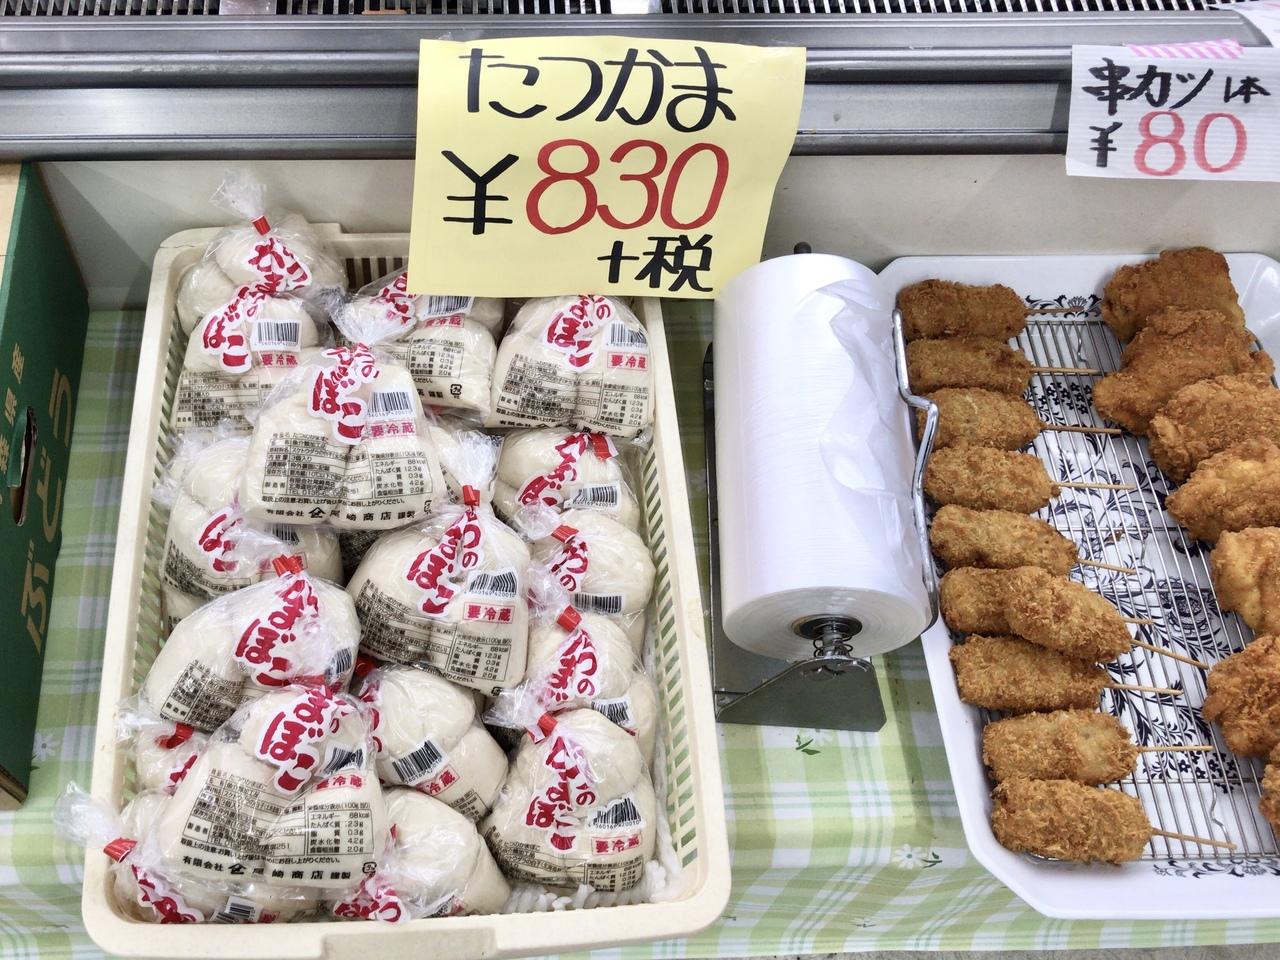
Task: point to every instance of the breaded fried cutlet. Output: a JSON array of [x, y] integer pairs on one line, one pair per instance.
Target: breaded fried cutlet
[[1081, 745], [967, 362], [1269, 803], [985, 478], [972, 599], [1207, 417], [982, 418], [1054, 612], [944, 308], [1196, 278], [1245, 567], [1069, 821], [1244, 697], [1177, 347], [1009, 673], [998, 538], [1229, 491]]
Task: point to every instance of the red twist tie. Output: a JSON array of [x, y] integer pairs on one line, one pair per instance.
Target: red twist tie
[[470, 496], [601, 447], [569, 618], [288, 564], [119, 848], [364, 666], [261, 225], [182, 732], [542, 729], [564, 533]]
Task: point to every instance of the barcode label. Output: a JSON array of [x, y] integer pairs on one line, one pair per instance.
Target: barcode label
[[618, 711], [423, 763], [275, 335], [610, 604], [340, 665], [620, 335], [339, 758], [447, 306], [237, 910], [387, 404], [597, 496], [621, 813], [285, 532], [503, 584]]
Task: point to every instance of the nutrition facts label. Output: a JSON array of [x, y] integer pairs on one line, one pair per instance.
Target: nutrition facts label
[[536, 391], [183, 573], [471, 650], [612, 405], [224, 830], [302, 474], [391, 482], [205, 398], [202, 698]]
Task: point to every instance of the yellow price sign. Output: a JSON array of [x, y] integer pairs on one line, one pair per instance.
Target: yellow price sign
[[612, 165]]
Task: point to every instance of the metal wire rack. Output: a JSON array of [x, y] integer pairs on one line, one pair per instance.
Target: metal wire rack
[[1212, 794]]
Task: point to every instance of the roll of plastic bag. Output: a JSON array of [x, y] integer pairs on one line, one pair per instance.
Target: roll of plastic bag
[[814, 463]]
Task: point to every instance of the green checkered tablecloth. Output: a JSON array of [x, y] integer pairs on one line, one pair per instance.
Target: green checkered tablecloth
[[840, 841]]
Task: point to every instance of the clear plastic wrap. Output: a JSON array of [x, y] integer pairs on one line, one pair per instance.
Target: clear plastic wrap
[[210, 547], [233, 362], [388, 297], [202, 289], [145, 887], [294, 628], [437, 866], [450, 595], [164, 751], [277, 249], [581, 660], [597, 565], [447, 343], [578, 807], [343, 440], [562, 471], [574, 361], [426, 736], [284, 795]]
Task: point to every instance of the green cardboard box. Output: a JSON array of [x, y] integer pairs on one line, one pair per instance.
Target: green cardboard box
[[43, 315]]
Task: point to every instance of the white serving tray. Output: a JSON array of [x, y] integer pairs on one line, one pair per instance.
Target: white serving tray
[[1214, 794]]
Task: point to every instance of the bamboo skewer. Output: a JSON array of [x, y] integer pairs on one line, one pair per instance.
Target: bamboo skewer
[[1206, 841], [1181, 748], [1140, 621], [1082, 485], [1070, 428], [1141, 688], [1106, 566], [1171, 654], [1082, 371]]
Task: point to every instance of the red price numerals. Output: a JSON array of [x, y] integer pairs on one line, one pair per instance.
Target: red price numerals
[[1177, 153], [659, 191]]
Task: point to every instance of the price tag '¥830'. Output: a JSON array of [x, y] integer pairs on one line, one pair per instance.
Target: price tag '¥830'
[[1194, 111], [612, 165]]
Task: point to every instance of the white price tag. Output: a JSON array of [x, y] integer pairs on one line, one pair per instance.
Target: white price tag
[[1191, 111]]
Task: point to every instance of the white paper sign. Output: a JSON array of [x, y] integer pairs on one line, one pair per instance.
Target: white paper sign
[[1199, 111], [1263, 14]]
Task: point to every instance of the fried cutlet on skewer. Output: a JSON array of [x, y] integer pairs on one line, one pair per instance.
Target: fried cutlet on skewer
[[984, 362], [1081, 745], [944, 308]]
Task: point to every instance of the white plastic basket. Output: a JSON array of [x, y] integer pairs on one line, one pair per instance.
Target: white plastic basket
[[695, 807]]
